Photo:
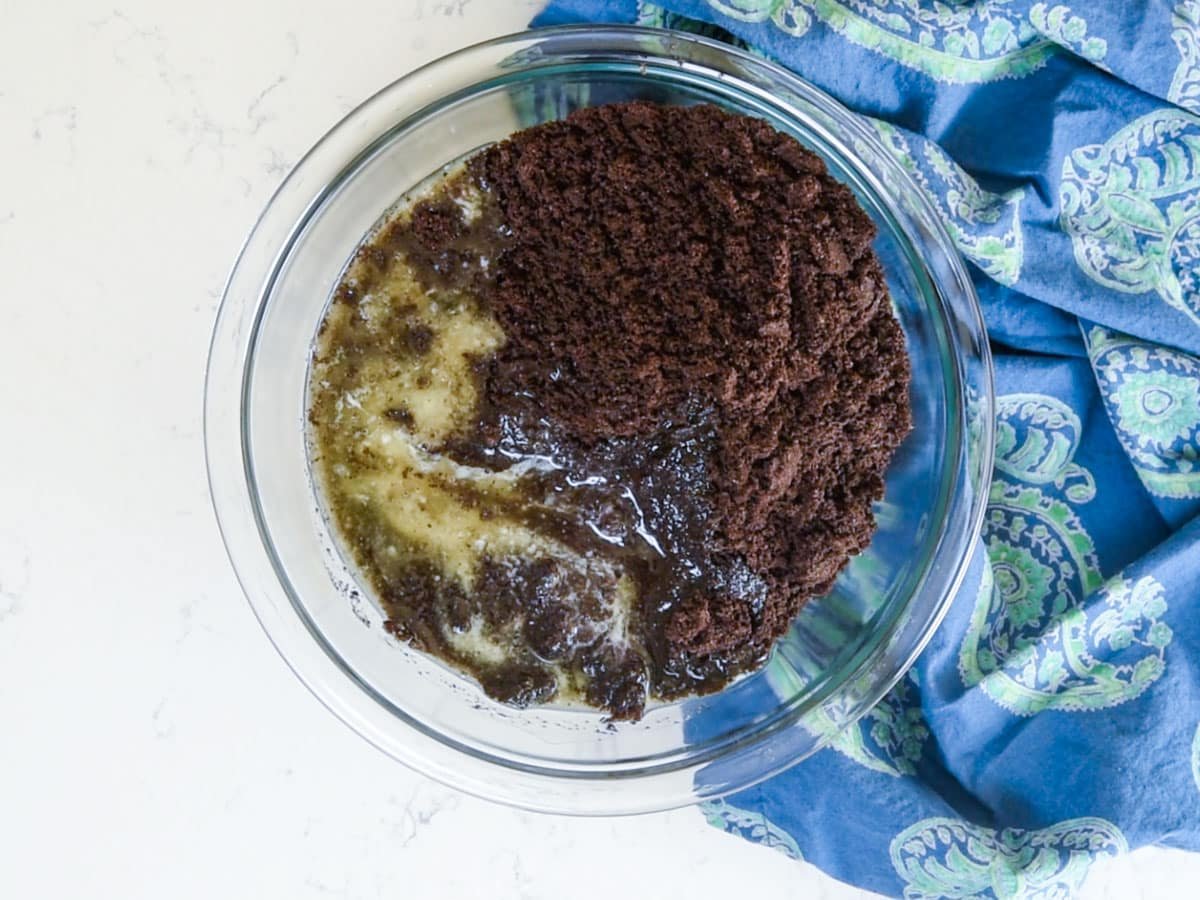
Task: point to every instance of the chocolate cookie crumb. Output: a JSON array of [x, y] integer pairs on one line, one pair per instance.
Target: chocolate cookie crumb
[[662, 256], [648, 381]]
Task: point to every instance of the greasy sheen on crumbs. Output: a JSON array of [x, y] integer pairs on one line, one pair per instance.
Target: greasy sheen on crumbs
[[596, 412]]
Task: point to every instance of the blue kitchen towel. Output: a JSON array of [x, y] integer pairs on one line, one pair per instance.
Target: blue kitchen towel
[[1054, 720]]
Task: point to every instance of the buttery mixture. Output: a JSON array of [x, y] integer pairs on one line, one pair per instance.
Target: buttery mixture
[[596, 412]]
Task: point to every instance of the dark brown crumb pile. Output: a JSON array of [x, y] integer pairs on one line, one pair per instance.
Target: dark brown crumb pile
[[661, 257], [698, 334]]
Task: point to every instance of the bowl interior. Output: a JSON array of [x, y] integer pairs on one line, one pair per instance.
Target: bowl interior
[[837, 640]]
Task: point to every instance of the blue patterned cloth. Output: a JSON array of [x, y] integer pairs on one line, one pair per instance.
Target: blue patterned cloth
[[1055, 718]]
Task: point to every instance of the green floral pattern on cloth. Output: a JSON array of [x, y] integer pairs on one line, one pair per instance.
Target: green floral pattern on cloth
[[960, 43], [1066, 29], [651, 15], [1132, 208], [986, 227], [1152, 395], [1036, 439], [1045, 630], [948, 859], [891, 738], [751, 825]]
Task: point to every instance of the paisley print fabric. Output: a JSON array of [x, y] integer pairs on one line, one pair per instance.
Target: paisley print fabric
[[943, 858], [951, 42], [1054, 719], [1152, 395]]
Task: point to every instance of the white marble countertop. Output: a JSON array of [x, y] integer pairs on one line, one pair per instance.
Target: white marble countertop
[[152, 743]]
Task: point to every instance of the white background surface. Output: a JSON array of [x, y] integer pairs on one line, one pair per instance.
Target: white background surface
[[151, 742]]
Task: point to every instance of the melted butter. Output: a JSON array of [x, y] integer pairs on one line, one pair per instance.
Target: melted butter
[[437, 388], [380, 413], [410, 486], [475, 643], [543, 569]]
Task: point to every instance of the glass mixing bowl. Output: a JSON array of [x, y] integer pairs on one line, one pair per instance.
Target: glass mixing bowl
[[845, 650]]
